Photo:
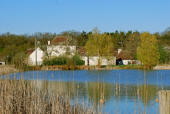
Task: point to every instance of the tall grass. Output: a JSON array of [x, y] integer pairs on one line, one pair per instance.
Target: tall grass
[[20, 96]]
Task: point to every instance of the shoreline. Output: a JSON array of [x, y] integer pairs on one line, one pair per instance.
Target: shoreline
[[8, 69], [122, 67]]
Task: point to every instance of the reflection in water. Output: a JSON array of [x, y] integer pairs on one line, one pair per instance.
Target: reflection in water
[[92, 93], [148, 93], [99, 92], [115, 91]]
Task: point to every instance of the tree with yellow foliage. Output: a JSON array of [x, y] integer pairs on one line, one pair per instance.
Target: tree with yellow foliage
[[148, 52], [99, 45]]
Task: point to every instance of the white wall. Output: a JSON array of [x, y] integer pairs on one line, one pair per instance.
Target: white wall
[[2, 63], [60, 50], [32, 57], [93, 61], [126, 62]]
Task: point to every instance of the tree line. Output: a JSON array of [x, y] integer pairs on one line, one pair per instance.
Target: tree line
[[14, 46]]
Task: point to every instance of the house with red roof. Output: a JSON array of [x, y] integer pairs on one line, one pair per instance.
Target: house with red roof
[[59, 46]]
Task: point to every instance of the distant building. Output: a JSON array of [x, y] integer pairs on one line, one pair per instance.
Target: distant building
[[59, 46], [94, 60], [125, 58], [2, 63], [35, 57]]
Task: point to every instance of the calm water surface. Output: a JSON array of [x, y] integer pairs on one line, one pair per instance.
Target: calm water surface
[[123, 91]]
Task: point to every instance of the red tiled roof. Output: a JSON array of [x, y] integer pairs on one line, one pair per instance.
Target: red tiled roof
[[58, 40], [29, 51]]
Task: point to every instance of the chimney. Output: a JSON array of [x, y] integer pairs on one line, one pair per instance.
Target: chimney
[[48, 42], [119, 50]]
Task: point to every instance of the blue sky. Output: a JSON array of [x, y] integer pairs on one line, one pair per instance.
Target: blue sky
[[29, 16]]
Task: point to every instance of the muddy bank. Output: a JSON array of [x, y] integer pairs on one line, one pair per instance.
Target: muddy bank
[[7, 69]]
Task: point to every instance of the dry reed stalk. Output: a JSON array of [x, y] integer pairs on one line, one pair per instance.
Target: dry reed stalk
[[19, 96]]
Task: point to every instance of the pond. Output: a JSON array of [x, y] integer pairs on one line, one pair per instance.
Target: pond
[[112, 91]]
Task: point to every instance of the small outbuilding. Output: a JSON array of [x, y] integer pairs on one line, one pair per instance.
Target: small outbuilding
[[125, 58], [2, 63], [94, 60], [35, 57]]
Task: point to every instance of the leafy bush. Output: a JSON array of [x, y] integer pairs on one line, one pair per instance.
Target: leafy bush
[[62, 60], [77, 60], [103, 66], [56, 61]]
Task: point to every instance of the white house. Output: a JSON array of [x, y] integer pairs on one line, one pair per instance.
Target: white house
[[59, 46], [59, 50], [36, 57]]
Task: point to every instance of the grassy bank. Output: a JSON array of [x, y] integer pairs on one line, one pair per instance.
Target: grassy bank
[[22, 97]]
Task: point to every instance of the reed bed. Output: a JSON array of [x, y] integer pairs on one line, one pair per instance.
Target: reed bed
[[20, 97]]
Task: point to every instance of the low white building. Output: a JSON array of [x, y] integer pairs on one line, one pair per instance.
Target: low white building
[[2, 63], [125, 58], [94, 60], [36, 57]]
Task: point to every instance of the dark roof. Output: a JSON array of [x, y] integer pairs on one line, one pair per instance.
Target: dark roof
[[59, 40], [124, 55], [29, 51]]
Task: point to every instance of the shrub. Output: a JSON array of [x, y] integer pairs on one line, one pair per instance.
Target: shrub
[[77, 60], [62, 60], [55, 61]]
